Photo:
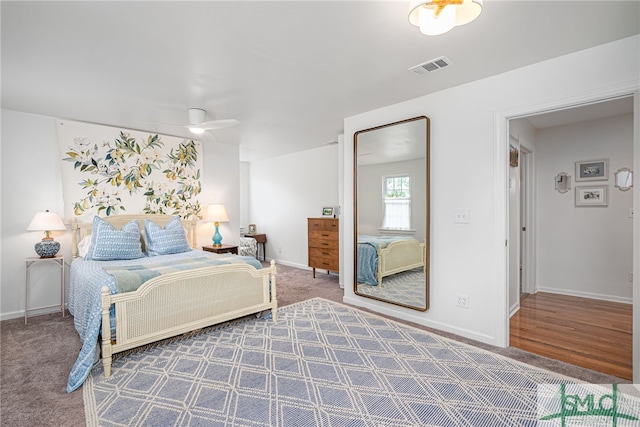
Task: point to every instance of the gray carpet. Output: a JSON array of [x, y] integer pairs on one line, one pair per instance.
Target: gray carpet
[[33, 377]]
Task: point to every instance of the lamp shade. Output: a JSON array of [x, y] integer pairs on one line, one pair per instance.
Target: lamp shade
[[46, 221], [216, 213]]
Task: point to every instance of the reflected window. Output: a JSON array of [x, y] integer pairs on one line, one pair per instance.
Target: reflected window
[[397, 203]]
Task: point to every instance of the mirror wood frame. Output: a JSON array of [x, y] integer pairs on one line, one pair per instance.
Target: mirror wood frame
[[427, 250]]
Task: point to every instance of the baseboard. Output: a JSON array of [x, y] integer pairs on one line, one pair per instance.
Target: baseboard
[[303, 267], [409, 316], [514, 308], [32, 313], [581, 294]]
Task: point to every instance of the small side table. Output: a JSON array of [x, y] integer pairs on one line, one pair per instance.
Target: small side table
[[30, 262], [261, 239], [223, 249]]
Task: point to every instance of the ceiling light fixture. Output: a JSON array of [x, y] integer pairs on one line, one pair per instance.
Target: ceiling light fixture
[[196, 130], [435, 17]]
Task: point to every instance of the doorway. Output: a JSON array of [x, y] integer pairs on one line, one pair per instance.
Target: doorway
[[556, 277]]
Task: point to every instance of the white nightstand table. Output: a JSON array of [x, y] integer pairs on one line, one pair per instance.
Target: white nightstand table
[[30, 262]]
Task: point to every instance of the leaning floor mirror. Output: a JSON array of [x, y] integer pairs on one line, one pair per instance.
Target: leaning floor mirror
[[391, 194]]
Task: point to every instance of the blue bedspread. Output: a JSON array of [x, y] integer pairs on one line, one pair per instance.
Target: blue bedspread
[[86, 278], [368, 247]]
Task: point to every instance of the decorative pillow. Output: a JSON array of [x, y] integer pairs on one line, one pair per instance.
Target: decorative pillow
[[83, 246], [108, 243], [170, 239]]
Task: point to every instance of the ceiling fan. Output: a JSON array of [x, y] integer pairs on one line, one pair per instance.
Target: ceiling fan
[[198, 125]]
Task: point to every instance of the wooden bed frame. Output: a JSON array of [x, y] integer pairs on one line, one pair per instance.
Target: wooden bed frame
[[180, 302], [399, 256]]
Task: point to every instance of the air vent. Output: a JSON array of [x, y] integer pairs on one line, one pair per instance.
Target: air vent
[[431, 66]]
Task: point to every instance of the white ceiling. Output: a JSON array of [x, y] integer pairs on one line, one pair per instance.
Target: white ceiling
[[289, 71]]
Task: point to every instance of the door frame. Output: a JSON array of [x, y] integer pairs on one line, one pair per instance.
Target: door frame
[[501, 190]]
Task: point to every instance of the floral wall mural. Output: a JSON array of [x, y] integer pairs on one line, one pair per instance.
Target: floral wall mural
[[107, 171]]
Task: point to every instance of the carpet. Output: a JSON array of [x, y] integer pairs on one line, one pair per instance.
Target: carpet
[[322, 364]]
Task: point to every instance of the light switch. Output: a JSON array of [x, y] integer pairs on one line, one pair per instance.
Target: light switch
[[461, 216]]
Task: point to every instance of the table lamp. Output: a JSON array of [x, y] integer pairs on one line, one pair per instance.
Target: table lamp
[[217, 214], [46, 221]]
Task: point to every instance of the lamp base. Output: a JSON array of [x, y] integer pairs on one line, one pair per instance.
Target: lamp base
[[217, 237], [47, 248]]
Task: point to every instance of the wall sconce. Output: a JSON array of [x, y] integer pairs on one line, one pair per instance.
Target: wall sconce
[[46, 221], [435, 17], [217, 214]]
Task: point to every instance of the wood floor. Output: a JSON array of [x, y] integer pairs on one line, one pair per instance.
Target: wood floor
[[590, 333]]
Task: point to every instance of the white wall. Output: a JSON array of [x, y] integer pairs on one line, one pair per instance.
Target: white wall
[[287, 190], [584, 251], [31, 182], [466, 136]]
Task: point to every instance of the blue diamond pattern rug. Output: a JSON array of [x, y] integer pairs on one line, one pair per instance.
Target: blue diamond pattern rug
[[321, 364]]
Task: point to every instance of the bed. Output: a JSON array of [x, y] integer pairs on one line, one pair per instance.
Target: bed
[[382, 256], [133, 300]]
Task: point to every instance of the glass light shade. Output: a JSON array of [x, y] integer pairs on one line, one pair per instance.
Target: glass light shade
[[432, 25], [422, 14], [196, 130]]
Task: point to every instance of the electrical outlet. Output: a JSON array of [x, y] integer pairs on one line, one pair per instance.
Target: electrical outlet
[[631, 276], [630, 214], [462, 301], [461, 216]]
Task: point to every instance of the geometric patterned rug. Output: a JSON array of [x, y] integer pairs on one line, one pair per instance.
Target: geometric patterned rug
[[322, 364], [408, 288]]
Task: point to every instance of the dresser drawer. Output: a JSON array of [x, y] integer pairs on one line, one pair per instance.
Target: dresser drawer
[[326, 259], [323, 239], [323, 224]]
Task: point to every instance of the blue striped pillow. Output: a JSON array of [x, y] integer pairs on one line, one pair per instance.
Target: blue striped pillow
[[107, 243], [170, 239]]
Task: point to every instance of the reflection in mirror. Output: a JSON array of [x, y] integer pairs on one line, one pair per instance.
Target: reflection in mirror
[[391, 170], [623, 179], [563, 182]]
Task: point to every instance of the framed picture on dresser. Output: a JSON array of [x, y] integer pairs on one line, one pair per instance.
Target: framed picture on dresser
[[253, 229], [327, 211]]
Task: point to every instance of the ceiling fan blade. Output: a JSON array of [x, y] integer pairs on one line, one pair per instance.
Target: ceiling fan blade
[[218, 124]]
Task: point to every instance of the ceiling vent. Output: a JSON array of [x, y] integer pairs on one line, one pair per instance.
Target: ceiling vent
[[431, 66]]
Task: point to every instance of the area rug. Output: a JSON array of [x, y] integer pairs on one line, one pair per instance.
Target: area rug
[[321, 364]]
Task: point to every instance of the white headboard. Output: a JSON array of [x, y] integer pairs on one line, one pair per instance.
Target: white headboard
[[79, 230]]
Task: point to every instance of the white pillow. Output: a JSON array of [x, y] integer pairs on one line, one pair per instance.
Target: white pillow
[[83, 246]]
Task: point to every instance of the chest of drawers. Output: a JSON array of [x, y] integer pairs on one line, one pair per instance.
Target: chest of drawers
[[323, 238]]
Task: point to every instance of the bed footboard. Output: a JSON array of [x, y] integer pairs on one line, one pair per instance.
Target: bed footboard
[[399, 256], [180, 302]]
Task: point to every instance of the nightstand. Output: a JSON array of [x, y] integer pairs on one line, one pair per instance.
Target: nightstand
[[223, 249], [30, 262], [261, 239]]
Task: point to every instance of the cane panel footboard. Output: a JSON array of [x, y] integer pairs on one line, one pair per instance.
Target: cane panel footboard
[[180, 302]]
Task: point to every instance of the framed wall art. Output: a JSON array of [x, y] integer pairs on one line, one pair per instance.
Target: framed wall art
[[592, 170], [591, 195]]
